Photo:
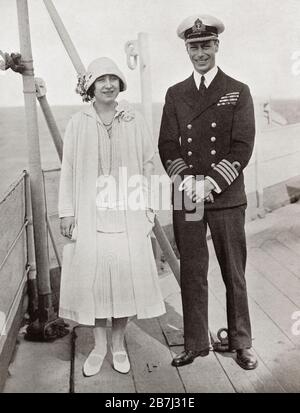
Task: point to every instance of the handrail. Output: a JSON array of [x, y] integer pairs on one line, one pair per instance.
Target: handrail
[[11, 248], [29, 266], [12, 187], [15, 304]]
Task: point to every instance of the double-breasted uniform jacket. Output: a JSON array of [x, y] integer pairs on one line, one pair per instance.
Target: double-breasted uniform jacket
[[210, 135]]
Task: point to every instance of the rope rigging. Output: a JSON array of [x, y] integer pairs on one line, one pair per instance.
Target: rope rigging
[[11, 61]]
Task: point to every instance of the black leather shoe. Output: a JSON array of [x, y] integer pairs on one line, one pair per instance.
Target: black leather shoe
[[188, 356], [246, 359]]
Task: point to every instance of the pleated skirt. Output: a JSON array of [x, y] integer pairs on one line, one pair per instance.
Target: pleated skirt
[[113, 286]]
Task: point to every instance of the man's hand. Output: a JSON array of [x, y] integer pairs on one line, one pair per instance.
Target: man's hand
[[189, 187], [198, 191], [203, 190], [67, 225]]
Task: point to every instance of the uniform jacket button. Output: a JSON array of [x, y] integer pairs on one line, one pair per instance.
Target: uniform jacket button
[[213, 165], [191, 166], [189, 126], [213, 125], [213, 139], [190, 153], [213, 152], [190, 140]]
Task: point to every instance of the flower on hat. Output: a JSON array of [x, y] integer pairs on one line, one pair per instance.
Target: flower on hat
[[81, 88]]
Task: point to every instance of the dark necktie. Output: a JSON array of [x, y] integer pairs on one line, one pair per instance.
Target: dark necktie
[[202, 88]]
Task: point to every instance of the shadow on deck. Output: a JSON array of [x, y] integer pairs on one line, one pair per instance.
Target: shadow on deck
[[273, 278]]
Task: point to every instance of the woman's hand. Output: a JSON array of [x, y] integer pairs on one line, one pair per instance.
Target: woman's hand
[[67, 225], [150, 217]]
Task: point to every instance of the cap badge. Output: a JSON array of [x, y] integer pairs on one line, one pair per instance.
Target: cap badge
[[198, 26]]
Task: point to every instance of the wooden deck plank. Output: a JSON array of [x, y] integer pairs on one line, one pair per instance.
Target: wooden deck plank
[[276, 273], [40, 367], [273, 285], [288, 211], [107, 380], [283, 255], [276, 305], [259, 380], [273, 302], [151, 359], [291, 240], [205, 374], [8, 348], [172, 322], [275, 350], [295, 230], [269, 230], [273, 224]]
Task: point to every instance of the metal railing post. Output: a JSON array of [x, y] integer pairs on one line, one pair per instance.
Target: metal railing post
[[135, 49], [259, 186], [31, 261], [145, 76], [54, 131], [35, 169]]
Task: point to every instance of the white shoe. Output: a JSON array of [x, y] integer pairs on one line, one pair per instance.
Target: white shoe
[[121, 366], [93, 363]]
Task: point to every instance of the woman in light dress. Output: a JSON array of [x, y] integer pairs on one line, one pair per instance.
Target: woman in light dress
[[105, 209]]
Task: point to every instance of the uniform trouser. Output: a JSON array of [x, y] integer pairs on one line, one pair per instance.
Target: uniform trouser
[[228, 236]]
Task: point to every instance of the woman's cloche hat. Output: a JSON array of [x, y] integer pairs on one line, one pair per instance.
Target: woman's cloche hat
[[99, 67]]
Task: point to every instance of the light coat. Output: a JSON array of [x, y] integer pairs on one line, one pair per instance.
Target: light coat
[[77, 197]]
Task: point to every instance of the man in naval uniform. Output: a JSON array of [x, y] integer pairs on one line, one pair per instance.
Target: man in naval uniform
[[207, 131]]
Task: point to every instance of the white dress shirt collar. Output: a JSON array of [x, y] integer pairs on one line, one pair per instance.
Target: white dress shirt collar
[[209, 77]]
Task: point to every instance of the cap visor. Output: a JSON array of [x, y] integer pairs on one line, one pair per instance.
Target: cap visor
[[201, 39]]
